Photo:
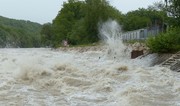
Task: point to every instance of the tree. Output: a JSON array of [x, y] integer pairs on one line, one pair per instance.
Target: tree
[[133, 22], [78, 20], [3, 35], [165, 42], [19, 33], [47, 34], [96, 11], [71, 12], [143, 18], [158, 6], [173, 9]]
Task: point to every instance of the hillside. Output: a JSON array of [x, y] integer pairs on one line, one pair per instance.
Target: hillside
[[19, 33]]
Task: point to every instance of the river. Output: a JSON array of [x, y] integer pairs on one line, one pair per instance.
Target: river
[[44, 77]]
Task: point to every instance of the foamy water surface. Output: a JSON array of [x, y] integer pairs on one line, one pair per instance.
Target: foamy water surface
[[42, 77]]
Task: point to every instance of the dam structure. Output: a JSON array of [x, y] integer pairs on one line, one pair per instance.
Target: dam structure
[[173, 62]]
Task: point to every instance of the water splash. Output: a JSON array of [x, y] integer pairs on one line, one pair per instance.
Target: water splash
[[110, 33]]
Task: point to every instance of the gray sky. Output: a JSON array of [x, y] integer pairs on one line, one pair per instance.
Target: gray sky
[[43, 11]]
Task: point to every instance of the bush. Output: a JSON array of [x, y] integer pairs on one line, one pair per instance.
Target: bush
[[165, 42]]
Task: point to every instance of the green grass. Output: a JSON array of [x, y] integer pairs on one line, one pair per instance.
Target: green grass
[[134, 41]]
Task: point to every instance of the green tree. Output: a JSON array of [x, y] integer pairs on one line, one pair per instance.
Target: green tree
[[165, 42], [157, 6], [96, 11], [143, 18], [78, 20], [173, 9], [3, 35], [19, 33], [66, 18], [47, 34]]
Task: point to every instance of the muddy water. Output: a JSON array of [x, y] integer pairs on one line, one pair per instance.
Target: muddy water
[[42, 77]]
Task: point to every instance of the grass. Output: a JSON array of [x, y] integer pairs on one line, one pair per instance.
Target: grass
[[134, 41]]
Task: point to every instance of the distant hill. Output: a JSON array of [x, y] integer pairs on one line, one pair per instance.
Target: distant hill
[[19, 33]]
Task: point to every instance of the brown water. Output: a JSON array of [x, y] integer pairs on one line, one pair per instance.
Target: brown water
[[42, 77]]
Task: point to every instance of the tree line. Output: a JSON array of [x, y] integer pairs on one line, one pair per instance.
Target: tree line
[[77, 21], [19, 33]]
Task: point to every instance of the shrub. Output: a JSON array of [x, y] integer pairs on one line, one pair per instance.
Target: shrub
[[165, 42]]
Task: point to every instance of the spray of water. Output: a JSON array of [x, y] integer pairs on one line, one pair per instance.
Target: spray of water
[[111, 34]]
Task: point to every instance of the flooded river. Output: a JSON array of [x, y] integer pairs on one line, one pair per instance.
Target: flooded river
[[105, 76], [43, 77]]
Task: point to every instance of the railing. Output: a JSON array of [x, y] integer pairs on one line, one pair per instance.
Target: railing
[[140, 34]]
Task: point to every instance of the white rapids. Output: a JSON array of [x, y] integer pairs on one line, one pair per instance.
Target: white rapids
[[102, 77], [42, 77]]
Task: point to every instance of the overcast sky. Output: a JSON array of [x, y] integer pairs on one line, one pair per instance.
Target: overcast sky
[[43, 11]]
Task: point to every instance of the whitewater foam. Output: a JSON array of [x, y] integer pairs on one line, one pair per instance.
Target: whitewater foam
[[83, 79], [111, 34], [41, 77]]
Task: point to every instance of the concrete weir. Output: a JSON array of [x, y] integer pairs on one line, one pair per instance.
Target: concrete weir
[[173, 62]]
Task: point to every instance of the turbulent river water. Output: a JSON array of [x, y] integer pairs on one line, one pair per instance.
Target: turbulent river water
[[43, 77], [101, 76]]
